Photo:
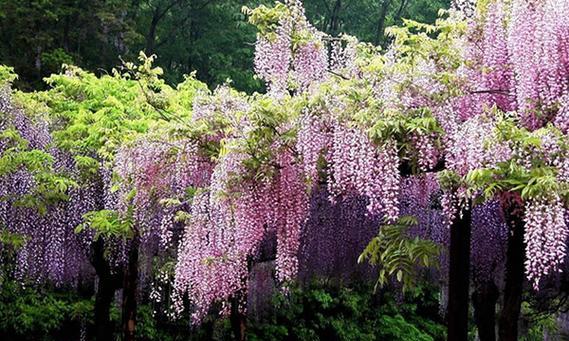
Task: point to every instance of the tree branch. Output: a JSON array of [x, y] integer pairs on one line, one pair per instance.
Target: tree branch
[[492, 91]]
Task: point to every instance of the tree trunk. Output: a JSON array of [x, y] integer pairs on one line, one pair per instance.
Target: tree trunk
[[151, 35], [401, 8], [103, 301], [459, 275], [484, 299], [508, 324], [129, 293], [38, 63], [380, 25], [105, 293], [66, 29], [334, 25], [238, 320]]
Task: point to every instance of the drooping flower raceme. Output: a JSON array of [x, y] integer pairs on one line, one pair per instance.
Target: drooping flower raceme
[[358, 166], [546, 237], [52, 251]]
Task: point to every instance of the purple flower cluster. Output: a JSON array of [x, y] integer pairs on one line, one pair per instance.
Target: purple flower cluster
[[229, 221], [287, 64], [52, 251], [357, 166], [539, 50], [545, 238]]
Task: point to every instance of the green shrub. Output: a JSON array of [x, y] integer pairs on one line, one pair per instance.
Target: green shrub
[[322, 312]]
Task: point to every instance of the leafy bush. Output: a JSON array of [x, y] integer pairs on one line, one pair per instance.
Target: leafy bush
[[321, 312], [28, 314]]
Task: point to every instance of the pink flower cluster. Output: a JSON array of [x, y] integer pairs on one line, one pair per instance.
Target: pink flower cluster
[[286, 65], [229, 221], [539, 48], [428, 154], [273, 58], [545, 238], [290, 214], [497, 75], [313, 140], [159, 170], [474, 145], [357, 166]]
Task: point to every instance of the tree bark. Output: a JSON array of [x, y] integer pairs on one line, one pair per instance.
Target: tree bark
[[401, 8], [334, 25], [484, 300], [151, 35], [157, 16], [108, 284], [459, 277], [238, 321], [129, 303], [103, 301], [515, 257], [380, 25]]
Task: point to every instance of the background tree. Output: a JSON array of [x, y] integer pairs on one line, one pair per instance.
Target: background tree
[[367, 19], [208, 36]]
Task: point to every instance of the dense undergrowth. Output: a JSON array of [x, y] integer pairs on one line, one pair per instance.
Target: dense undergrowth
[[319, 311]]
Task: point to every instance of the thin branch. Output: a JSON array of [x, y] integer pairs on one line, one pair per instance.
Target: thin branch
[[400, 11], [492, 91], [338, 74], [167, 9]]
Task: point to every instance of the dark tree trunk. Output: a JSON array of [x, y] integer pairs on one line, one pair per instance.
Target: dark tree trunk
[[151, 35], [334, 26], [103, 301], [157, 16], [484, 300], [38, 63], [129, 293], [459, 277], [238, 320], [66, 28], [508, 324], [108, 284], [381, 24], [401, 8]]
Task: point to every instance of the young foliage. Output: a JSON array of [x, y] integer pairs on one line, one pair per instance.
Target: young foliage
[[398, 255]]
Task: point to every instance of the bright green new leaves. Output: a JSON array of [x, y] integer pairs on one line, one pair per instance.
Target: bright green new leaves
[[107, 223], [395, 253], [49, 187], [7, 75], [35, 161], [93, 117], [14, 241], [270, 127], [530, 171], [416, 43], [266, 19]]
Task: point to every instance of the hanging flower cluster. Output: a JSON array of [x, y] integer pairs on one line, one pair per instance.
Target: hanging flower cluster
[[358, 166], [539, 53], [522, 66], [545, 238], [334, 236], [228, 223], [37, 203], [489, 242], [292, 55]]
